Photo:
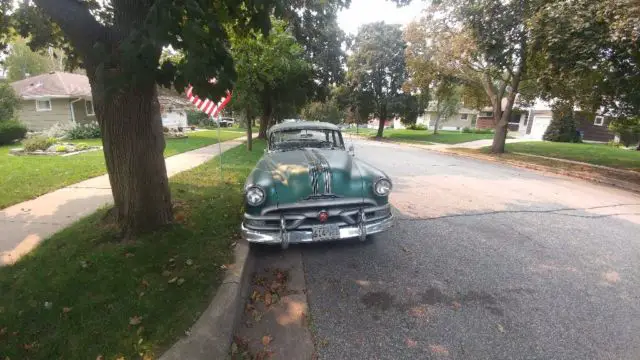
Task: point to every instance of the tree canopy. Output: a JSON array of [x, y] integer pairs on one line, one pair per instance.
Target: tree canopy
[[377, 67]]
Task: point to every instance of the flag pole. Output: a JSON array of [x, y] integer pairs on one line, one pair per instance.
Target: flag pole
[[220, 149]]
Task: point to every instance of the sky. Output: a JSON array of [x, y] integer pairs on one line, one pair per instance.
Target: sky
[[365, 11]]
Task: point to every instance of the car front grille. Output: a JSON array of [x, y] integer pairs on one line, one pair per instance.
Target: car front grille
[[304, 215]]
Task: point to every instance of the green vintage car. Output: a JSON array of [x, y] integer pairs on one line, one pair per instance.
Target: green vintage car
[[308, 187]]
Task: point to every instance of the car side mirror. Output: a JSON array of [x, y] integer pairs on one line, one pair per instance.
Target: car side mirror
[[352, 151]]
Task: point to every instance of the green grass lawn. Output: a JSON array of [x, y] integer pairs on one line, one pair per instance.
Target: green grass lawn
[[599, 154], [25, 177], [83, 293], [425, 136]]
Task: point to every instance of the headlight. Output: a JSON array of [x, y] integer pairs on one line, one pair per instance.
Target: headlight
[[255, 196], [382, 187]]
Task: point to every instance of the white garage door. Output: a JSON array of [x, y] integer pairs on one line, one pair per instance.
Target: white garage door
[[539, 126]]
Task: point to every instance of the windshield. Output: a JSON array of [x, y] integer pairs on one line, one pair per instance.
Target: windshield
[[306, 138]]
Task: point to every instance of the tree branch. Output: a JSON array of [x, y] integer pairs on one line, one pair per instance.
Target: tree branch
[[77, 23]]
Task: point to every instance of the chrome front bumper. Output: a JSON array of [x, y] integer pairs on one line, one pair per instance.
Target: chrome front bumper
[[285, 238]]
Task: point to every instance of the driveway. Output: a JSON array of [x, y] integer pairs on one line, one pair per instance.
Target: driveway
[[486, 262]]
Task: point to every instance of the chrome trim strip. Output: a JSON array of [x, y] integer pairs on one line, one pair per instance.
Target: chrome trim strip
[[320, 203]]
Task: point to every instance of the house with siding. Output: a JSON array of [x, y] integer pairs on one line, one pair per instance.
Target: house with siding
[[464, 117], [531, 122], [65, 99], [54, 98]]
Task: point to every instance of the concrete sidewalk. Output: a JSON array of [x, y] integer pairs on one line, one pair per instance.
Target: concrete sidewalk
[[26, 224], [477, 144]]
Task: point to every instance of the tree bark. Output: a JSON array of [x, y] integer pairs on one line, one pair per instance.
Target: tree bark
[[436, 124], [134, 143], [265, 118], [381, 121], [249, 129]]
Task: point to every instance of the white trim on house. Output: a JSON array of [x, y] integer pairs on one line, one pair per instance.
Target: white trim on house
[[45, 108], [598, 123], [86, 108]]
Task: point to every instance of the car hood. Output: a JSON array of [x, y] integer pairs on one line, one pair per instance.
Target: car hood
[[290, 176]]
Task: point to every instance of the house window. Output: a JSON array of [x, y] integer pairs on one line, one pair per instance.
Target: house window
[[88, 106], [43, 105], [486, 114], [463, 116], [599, 121]]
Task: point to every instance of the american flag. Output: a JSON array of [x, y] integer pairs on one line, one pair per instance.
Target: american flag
[[208, 106]]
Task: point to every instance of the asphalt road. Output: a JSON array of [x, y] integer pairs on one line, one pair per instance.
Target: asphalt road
[[485, 262]]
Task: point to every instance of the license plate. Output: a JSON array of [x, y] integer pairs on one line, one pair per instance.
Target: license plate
[[325, 232]]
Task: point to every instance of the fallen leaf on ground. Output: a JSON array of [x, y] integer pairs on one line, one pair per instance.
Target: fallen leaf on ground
[[439, 349], [3, 331], [180, 281], [266, 340], [66, 309], [189, 262], [166, 273], [144, 283], [456, 305], [257, 316], [405, 249], [411, 343], [263, 355], [267, 299], [500, 328], [129, 255], [255, 295], [100, 357], [136, 320], [28, 346], [172, 280]]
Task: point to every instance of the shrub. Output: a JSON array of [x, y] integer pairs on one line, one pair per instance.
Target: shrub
[[165, 129], [483, 131], [196, 117], [84, 131], [10, 131], [193, 127], [417, 127], [467, 130], [38, 143], [82, 146], [615, 144], [58, 131], [61, 148], [563, 125]]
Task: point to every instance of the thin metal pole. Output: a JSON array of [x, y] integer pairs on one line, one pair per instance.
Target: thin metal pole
[[220, 149]]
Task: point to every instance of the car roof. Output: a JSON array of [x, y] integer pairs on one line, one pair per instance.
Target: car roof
[[295, 125]]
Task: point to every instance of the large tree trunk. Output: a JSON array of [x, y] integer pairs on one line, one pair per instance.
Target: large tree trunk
[[265, 118], [381, 121], [249, 130], [436, 124], [134, 143]]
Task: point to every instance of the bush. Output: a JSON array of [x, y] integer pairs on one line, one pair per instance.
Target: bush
[[483, 131], [165, 129], [58, 131], [38, 143], [563, 125], [417, 127], [61, 148], [82, 146], [10, 131], [614, 144], [467, 130], [84, 131], [197, 117]]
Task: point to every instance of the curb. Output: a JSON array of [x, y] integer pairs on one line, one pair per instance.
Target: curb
[[210, 337], [616, 183], [620, 184]]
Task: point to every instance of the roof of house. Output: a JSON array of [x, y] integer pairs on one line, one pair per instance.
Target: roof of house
[[294, 125], [55, 84]]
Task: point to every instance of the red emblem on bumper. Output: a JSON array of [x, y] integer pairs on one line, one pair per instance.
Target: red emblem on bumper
[[323, 216]]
